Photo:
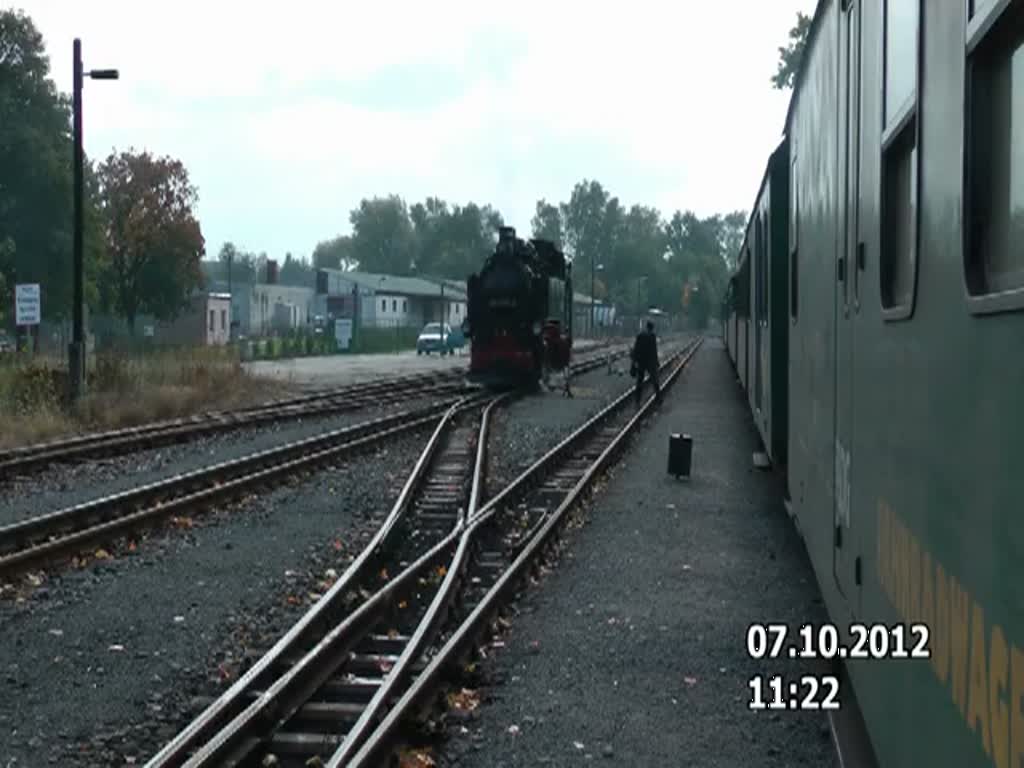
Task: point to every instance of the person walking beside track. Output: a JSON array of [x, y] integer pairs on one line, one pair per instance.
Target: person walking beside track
[[645, 361]]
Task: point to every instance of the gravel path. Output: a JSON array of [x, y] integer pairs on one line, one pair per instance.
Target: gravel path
[[598, 666], [529, 427], [339, 370], [65, 485]]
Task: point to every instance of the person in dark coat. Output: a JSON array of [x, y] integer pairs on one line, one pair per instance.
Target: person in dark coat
[[645, 361]]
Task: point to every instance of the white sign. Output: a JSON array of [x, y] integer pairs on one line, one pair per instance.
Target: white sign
[[27, 305], [343, 332]]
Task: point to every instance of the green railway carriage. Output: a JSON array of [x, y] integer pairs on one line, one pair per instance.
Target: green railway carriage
[[766, 251], [905, 246], [729, 331], [741, 318]]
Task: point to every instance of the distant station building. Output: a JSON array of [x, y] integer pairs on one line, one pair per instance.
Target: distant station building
[[604, 314], [389, 301]]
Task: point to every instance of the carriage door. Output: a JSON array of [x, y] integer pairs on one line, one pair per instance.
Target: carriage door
[[846, 549]]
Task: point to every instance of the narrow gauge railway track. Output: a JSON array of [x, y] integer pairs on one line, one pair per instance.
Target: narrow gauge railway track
[[115, 442], [31, 458], [329, 687], [36, 540], [443, 489]]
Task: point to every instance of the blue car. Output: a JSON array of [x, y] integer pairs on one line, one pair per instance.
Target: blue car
[[437, 338]]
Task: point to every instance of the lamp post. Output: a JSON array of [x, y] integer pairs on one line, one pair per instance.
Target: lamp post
[[593, 310], [76, 354]]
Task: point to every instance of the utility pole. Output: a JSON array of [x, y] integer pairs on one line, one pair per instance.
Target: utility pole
[[593, 275], [76, 353]]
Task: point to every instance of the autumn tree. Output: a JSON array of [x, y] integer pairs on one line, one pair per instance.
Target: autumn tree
[[153, 239], [792, 54]]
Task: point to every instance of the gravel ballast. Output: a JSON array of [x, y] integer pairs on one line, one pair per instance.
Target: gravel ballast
[[64, 485], [100, 665], [632, 650], [528, 428]]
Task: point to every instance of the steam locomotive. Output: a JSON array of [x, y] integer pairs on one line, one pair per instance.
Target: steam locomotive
[[519, 317]]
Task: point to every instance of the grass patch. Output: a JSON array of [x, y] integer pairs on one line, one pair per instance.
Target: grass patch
[[123, 390]]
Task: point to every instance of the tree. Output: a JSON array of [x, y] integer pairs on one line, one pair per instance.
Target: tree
[[382, 236], [36, 175], [638, 247], [452, 241], [297, 272], [470, 235], [791, 56], [734, 227], [547, 223], [336, 253], [430, 222], [154, 241], [583, 220]]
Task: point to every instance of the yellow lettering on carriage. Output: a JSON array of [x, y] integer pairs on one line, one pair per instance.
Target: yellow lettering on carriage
[[905, 572], [959, 602], [1016, 708], [914, 579], [942, 631], [982, 671], [977, 700], [927, 612], [897, 565], [998, 711]]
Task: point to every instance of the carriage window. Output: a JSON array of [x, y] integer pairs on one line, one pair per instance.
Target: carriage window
[[383, 305], [898, 257], [899, 220], [901, 22], [405, 305], [994, 252]]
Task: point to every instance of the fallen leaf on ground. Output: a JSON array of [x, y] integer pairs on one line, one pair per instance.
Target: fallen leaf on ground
[[466, 700], [415, 758], [690, 680]]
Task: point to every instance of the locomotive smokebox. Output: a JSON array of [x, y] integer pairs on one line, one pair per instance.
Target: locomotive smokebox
[[680, 455]]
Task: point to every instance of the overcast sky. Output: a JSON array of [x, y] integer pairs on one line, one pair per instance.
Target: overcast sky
[[287, 114]]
